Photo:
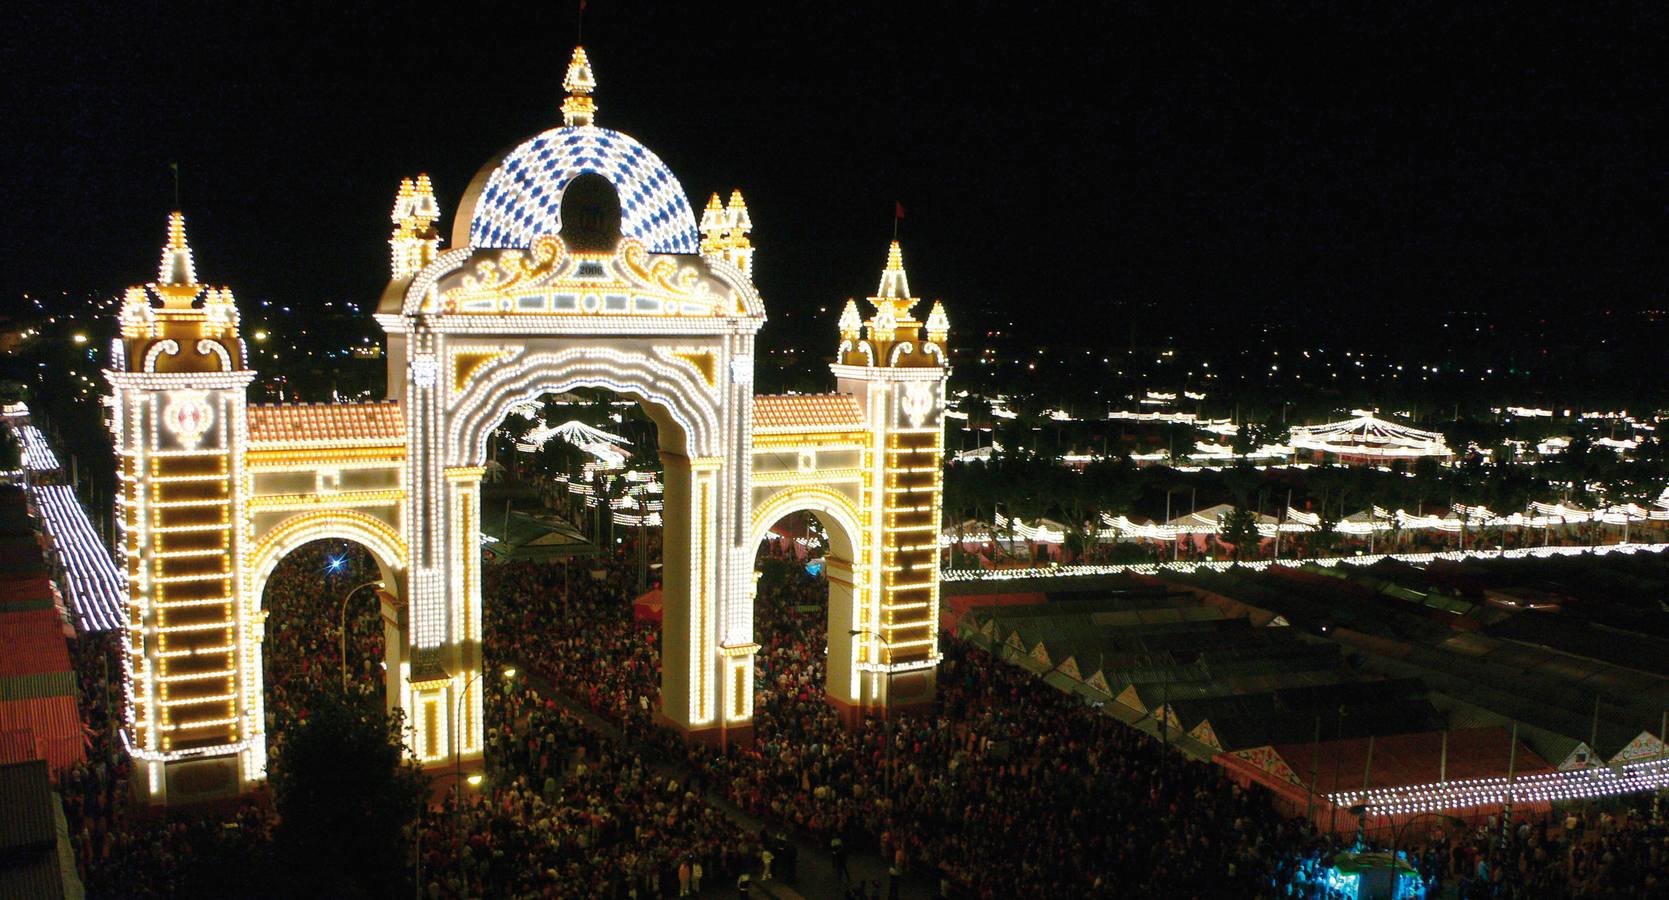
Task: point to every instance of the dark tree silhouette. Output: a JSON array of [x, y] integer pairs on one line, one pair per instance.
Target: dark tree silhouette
[[345, 791]]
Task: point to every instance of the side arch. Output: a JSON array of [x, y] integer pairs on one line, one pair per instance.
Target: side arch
[[852, 638], [377, 536], [386, 549]]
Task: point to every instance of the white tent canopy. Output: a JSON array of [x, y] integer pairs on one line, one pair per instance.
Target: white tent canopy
[[1365, 434]]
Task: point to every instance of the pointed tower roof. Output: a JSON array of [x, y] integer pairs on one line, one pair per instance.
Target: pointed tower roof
[[579, 109], [850, 322], [424, 205], [737, 213], [176, 276], [713, 218], [938, 324], [895, 285], [403, 201], [177, 265]]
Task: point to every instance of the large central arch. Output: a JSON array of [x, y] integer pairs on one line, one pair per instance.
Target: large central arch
[[478, 332]]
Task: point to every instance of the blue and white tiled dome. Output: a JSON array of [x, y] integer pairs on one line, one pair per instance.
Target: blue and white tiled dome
[[523, 196]]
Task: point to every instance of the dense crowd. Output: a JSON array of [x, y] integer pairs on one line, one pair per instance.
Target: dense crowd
[[1104, 808], [570, 814], [316, 589], [1003, 786]]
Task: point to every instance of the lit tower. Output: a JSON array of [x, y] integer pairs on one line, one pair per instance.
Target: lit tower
[[897, 368], [725, 230], [179, 378], [415, 241]]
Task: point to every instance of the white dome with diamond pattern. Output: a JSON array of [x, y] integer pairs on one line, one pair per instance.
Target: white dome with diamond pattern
[[522, 198]]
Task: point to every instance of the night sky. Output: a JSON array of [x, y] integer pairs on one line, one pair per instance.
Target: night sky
[[1057, 163]]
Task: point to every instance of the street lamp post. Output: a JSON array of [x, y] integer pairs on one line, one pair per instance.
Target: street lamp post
[[343, 636], [458, 766]]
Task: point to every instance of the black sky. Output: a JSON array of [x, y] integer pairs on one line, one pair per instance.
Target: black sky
[[1307, 159]]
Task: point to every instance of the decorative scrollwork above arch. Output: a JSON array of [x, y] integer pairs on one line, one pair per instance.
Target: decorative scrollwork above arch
[[165, 347]]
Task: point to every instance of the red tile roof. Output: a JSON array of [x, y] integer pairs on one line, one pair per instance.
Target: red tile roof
[[326, 424], [806, 412]]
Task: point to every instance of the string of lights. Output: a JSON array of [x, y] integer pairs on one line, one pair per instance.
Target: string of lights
[[1366, 559], [92, 583], [1547, 787], [37, 454]]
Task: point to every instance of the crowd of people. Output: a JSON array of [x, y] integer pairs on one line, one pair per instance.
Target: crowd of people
[[1002, 786], [316, 588], [1105, 809], [568, 813]]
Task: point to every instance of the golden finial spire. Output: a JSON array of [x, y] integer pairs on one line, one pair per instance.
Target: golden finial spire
[[403, 201], [737, 212], [579, 109], [712, 224], [895, 285], [423, 203], [177, 267]]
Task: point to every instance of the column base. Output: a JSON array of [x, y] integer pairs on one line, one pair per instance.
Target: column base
[[909, 692], [190, 782], [718, 737]]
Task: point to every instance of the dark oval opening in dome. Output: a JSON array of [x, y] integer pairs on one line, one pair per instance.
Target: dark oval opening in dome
[[591, 214]]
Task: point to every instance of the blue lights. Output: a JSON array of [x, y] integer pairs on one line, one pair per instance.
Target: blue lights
[[523, 196]]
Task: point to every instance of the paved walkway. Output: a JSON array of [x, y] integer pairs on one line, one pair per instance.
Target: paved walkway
[[816, 878]]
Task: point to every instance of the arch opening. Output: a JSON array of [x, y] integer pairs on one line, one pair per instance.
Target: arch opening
[[332, 622], [583, 491], [806, 618]]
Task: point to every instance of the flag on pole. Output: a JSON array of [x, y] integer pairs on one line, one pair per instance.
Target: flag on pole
[[897, 210]]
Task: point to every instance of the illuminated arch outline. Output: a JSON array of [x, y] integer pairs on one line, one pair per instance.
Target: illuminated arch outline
[[814, 498], [499, 385], [375, 535]]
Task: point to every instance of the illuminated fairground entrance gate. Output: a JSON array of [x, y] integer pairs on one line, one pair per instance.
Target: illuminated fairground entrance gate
[[576, 262]]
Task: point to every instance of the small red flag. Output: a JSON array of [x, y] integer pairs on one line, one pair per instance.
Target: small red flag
[[897, 210]]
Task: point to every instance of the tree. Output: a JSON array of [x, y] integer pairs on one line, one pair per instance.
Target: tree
[[344, 790], [11, 452], [1326, 530], [1253, 435], [1239, 527]]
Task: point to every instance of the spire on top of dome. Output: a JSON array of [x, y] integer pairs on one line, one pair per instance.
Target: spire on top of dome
[[895, 285], [579, 109], [177, 266]]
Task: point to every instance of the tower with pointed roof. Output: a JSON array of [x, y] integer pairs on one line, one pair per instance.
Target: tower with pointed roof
[[896, 366], [579, 108], [415, 241], [725, 230], [179, 380]]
